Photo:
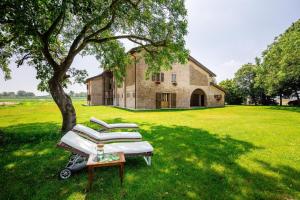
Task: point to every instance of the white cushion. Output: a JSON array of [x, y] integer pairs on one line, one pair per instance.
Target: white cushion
[[77, 142], [122, 135], [100, 122], [106, 136], [124, 125], [128, 147], [117, 125], [88, 131]]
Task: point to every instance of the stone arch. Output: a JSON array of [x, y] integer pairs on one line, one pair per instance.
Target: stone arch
[[198, 98]]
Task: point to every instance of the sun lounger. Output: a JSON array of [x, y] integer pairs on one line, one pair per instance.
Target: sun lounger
[[82, 148], [106, 137], [113, 126]]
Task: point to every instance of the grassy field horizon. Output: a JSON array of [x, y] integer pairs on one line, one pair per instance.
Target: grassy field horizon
[[235, 152]]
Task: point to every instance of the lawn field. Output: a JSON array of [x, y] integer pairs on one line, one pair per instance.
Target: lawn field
[[236, 152]]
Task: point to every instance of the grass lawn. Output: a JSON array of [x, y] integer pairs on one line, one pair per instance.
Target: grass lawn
[[236, 152]]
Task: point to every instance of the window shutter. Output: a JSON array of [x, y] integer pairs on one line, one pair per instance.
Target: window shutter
[[162, 77], [153, 77], [173, 78], [173, 100], [157, 77], [158, 100]]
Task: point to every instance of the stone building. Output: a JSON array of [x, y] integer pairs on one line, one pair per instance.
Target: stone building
[[183, 86]]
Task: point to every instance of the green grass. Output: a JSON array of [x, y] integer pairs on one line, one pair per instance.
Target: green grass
[[236, 152]]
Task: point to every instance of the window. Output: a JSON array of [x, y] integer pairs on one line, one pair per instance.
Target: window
[[173, 78], [165, 100], [158, 77], [162, 77], [153, 77], [218, 97]]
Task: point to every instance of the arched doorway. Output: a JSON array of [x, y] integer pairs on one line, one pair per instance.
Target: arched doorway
[[198, 98]]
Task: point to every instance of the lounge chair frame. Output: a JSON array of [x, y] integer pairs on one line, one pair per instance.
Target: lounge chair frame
[[105, 128], [78, 159]]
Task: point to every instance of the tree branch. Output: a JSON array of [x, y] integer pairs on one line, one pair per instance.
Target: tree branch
[[21, 61], [142, 46], [151, 42], [4, 42], [73, 49], [108, 25], [46, 53], [134, 4], [48, 33]]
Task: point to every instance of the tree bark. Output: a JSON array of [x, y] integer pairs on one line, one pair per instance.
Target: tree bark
[[64, 103], [297, 95], [280, 101]]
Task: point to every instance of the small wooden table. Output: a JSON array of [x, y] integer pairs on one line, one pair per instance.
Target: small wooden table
[[92, 164]]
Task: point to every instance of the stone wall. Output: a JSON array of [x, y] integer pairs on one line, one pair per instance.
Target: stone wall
[[189, 77], [213, 100], [186, 80], [119, 96], [95, 90], [197, 77]]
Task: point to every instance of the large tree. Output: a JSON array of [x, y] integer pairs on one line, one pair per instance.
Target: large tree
[[48, 34], [245, 79], [280, 70], [234, 94]]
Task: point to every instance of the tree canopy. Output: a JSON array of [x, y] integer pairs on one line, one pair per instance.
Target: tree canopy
[[234, 94], [277, 73], [280, 71], [48, 34], [245, 79]]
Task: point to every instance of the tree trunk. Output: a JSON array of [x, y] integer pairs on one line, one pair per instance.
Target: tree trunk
[[64, 103], [280, 101], [297, 95]]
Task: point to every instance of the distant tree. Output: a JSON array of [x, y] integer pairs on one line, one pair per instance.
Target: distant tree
[[49, 34], [7, 94], [234, 94], [71, 93], [81, 94], [30, 94], [245, 79], [11, 94], [21, 93], [280, 73]]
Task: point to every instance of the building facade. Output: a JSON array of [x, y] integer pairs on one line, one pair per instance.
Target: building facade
[[183, 86]]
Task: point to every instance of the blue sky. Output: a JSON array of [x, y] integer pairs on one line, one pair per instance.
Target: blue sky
[[223, 35]]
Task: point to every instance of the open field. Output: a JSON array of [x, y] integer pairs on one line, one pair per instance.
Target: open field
[[236, 152]]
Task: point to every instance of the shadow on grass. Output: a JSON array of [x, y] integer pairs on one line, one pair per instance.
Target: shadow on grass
[[188, 163], [165, 109], [30, 133], [286, 108]]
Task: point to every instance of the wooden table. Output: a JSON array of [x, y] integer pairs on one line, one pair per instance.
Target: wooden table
[[91, 164]]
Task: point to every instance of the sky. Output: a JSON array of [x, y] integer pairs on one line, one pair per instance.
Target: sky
[[222, 35]]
